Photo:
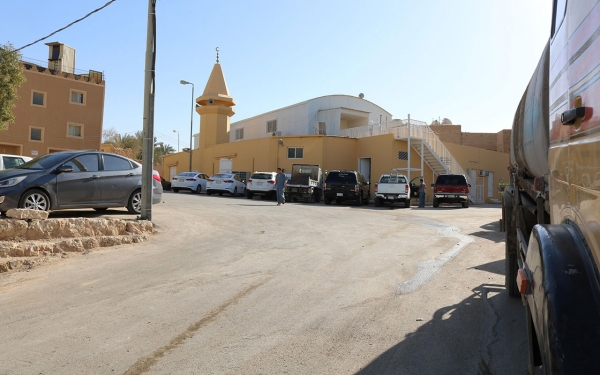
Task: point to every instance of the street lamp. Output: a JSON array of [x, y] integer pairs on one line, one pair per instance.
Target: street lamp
[[191, 119], [177, 131]]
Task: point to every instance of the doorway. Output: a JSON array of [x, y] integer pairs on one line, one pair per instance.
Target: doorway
[[364, 168]]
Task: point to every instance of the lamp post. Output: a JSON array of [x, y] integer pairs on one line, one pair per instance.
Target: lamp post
[[177, 131], [191, 119]]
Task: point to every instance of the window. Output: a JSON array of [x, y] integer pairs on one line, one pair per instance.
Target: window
[[322, 128], [12, 161], [77, 97], [239, 134], [84, 163], [36, 134], [38, 98], [115, 163], [75, 130], [272, 126], [295, 152], [560, 7]]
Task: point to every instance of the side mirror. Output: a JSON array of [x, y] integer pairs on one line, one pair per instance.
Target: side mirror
[[64, 169]]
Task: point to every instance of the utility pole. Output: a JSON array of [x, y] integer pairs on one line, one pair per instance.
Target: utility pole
[[148, 140]]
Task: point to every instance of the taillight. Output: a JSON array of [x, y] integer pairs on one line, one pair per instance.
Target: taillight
[[174, 179], [272, 182], [190, 179], [249, 180], [228, 181], [376, 186], [156, 177], [210, 180], [406, 189], [356, 188]]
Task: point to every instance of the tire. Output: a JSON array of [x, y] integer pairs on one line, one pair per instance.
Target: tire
[[359, 201], [198, 189], [465, 204], [327, 200], [407, 203], [511, 264], [249, 195], [378, 202], [134, 204], [175, 190], [101, 209], [436, 202], [317, 196], [36, 200]]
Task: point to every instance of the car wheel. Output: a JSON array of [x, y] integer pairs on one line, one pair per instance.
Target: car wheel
[[134, 206], [436, 202], [175, 190], [359, 200], [466, 204], [101, 209], [407, 203], [378, 202], [35, 200], [249, 195], [327, 200], [198, 189]]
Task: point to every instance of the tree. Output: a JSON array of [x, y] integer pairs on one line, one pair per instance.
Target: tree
[[11, 78], [160, 150]]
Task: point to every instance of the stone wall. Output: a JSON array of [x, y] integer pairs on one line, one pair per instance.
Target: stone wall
[[448, 133], [503, 141], [486, 141]]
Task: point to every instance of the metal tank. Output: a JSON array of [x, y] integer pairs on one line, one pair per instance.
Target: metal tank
[[529, 139]]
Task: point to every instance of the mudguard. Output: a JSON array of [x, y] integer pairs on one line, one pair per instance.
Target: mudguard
[[564, 299]]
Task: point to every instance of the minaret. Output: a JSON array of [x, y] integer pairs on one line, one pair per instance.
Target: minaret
[[215, 109]]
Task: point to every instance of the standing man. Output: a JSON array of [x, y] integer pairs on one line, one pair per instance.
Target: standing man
[[422, 188], [280, 183]]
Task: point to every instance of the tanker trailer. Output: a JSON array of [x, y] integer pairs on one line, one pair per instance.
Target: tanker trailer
[[551, 209]]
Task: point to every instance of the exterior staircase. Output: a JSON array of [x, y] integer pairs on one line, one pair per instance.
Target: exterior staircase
[[422, 139]]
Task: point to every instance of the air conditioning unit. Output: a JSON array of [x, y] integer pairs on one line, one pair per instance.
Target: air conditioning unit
[[277, 133], [483, 173]]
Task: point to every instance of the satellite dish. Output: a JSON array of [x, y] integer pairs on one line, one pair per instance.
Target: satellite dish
[[210, 101], [361, 95]]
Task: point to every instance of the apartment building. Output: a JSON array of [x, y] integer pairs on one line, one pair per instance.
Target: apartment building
[[59, 107]]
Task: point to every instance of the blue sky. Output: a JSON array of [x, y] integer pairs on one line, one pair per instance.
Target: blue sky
[[466, 60]]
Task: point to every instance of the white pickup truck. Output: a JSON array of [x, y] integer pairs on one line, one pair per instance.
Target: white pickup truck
[[392, 188]]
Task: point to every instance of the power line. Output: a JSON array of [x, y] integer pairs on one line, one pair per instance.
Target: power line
[[69, 25]]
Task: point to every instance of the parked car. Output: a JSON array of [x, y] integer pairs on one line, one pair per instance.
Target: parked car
[[192, 181], [75, 179], [451, 188], [261, 184], [344, 186], [12, 161], [157, 188], [225, 183], [392, 188]]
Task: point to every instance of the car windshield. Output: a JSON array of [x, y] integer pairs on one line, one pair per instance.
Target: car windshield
[[186, 174], [385, 179], [221, 175], [45, 161], [262, 176], [451, 180], [341, 178]]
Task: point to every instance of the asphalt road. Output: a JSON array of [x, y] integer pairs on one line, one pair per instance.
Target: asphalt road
[[237, 286]]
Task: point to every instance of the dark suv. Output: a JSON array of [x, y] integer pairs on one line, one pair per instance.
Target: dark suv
[[451, 188], [342, 186]]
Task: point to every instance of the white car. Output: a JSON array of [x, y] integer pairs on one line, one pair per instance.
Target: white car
[[192, 181], [261, 183], [225, 183], [12, 161]]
